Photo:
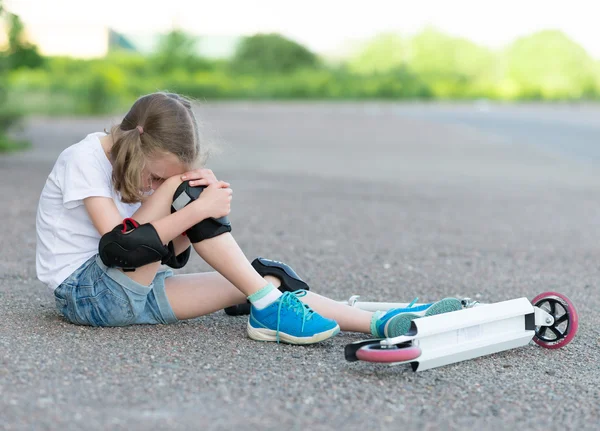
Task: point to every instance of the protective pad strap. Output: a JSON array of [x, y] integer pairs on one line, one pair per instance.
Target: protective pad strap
[[290, 281], [177, 261], [130, 246], [207, 228]]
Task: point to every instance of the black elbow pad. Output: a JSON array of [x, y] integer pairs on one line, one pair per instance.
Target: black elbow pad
[[177, 261], [130, 246]]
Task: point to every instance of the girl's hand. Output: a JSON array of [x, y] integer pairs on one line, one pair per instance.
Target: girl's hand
[[200, 177], [215, 200]]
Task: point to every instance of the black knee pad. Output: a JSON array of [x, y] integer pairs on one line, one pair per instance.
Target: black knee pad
[[290, 281], [207, 228]]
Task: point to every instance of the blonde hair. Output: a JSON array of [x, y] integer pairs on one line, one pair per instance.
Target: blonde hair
[[156, 123]]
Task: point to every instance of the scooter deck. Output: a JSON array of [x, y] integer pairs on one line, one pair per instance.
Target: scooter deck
[[465, 334]]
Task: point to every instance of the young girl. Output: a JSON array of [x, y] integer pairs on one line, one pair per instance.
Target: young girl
[[117, 205]]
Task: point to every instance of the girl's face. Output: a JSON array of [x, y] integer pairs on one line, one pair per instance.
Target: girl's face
[[159, 168]]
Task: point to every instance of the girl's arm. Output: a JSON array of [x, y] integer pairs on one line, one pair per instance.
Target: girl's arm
[[103, 212], [181, 243], [105, 216]]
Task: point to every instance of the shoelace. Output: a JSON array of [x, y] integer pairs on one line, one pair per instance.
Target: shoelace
[[291, 301], [413, 302]]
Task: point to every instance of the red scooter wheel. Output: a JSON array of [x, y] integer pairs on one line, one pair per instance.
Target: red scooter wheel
[[566, 320], [377, 353]]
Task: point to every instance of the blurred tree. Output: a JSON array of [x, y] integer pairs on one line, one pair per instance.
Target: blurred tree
[[433, 51], [381, 54], [594, 92], [548, 64], [21, 53], [8, 115], [452, 67], [272, 54], [178, 50], [2, 77]]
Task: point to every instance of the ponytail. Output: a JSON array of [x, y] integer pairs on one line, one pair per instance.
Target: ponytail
[[128, 161]]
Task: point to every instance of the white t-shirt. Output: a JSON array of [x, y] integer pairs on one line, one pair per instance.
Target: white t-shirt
[[66, 236]]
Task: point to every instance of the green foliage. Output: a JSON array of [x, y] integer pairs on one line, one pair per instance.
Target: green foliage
[[548, 65], [9, 117], [430, 65], [101, 91], [271, 54], [381, 54], [20, 52], [9, 145], [177, 50], [451, 66], [2, 70]]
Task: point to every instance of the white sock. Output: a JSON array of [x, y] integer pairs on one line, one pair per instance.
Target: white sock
[[265, 296]]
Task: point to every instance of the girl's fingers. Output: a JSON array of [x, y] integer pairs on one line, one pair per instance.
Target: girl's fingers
[[197, 174], [219, 184], [207, 181], [200, 182], [191, 175], [188, 176]]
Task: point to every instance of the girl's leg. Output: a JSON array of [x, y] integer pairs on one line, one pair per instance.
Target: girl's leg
[[199, 294], [225, 256], [156, 206], [349, 318], [221, 252], [194, 295]]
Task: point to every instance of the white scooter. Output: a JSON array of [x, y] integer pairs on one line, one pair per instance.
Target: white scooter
[[550, 319]]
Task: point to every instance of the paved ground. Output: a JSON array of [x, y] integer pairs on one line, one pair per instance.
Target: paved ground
[[389, 201]]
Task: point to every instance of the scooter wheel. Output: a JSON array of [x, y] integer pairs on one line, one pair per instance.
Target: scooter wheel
[[377, 353], [566, 320]]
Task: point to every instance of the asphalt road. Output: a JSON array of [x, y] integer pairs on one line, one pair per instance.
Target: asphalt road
[[383, 200]]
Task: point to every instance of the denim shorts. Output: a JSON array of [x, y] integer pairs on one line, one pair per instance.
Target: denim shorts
[[96, 295]]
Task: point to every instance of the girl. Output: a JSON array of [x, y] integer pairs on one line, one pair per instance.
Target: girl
[[107, 219]]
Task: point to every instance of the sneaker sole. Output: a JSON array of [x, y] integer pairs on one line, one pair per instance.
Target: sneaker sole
[[401, 324], [263, 334]]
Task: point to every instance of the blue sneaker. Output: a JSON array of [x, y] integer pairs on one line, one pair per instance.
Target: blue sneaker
[[291, 321], [396, 322]]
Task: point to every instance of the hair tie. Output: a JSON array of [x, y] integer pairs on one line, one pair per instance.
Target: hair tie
[[140, 129]]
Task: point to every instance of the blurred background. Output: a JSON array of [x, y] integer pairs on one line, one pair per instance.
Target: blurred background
[[74, 57]]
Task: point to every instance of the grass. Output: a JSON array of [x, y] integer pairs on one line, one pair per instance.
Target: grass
[[38, 103], [10, 145]]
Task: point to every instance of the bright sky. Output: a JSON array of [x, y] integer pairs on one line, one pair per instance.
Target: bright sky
[[325, 25]]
